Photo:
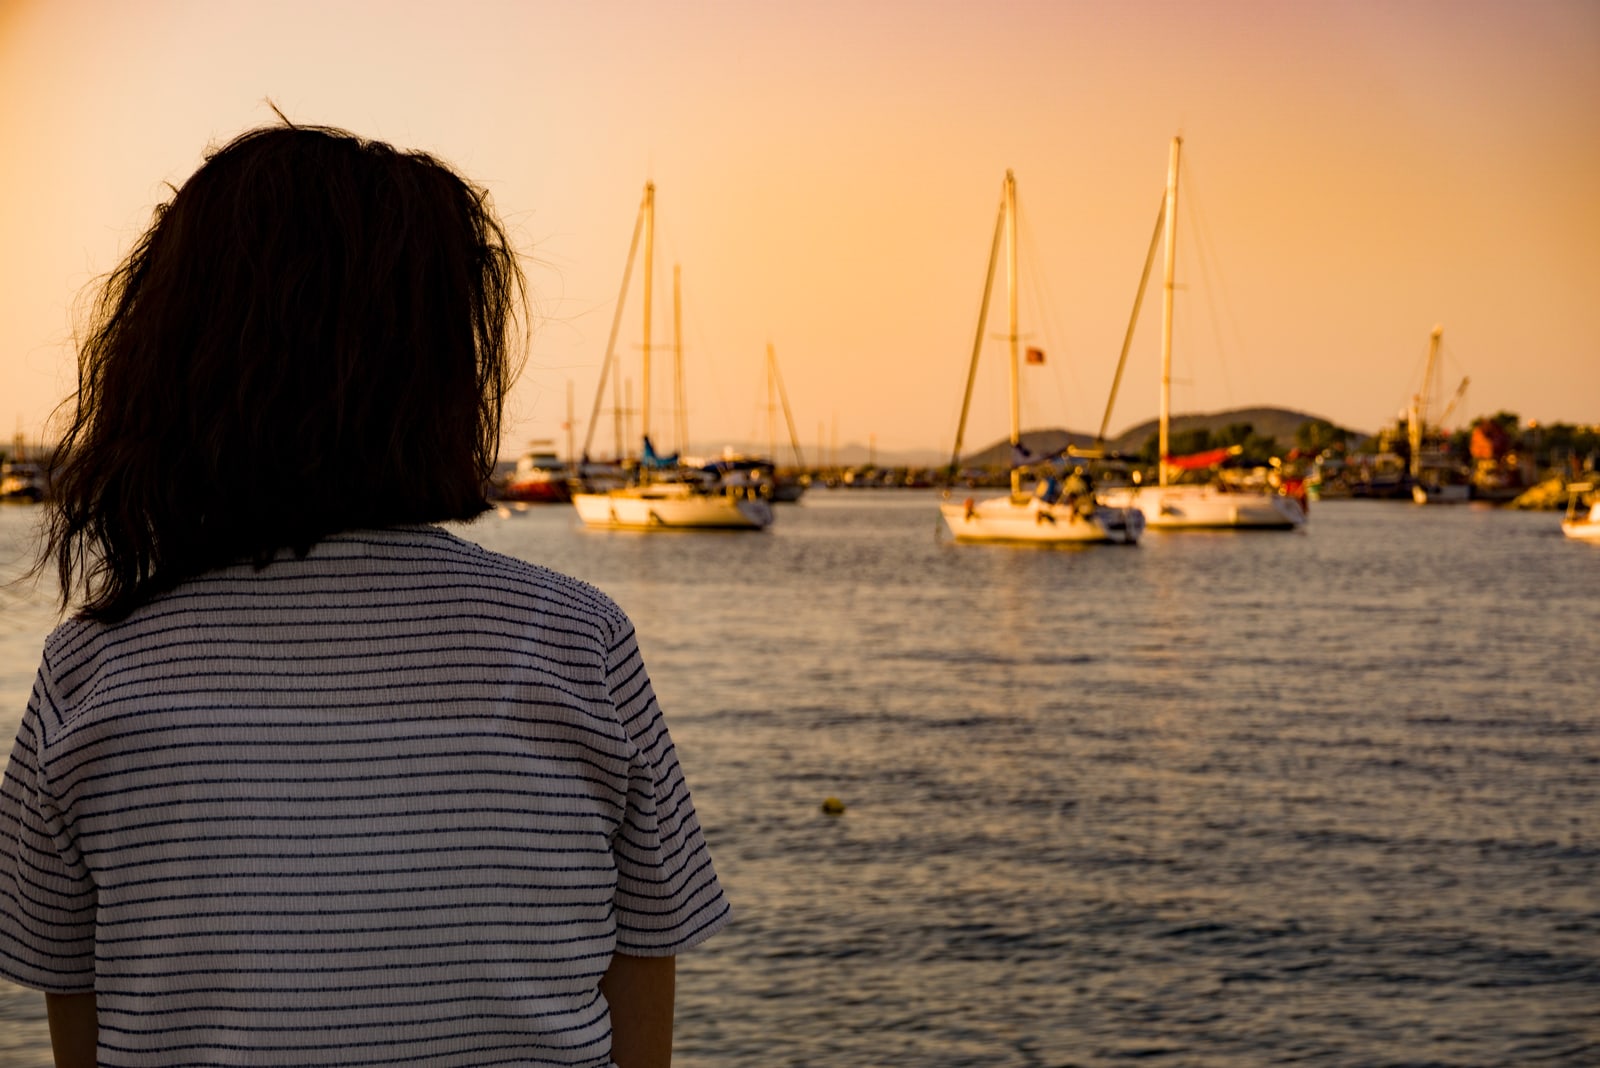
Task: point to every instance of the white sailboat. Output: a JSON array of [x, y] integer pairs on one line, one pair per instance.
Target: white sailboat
[[1046, 517], [1582, 522], [1211, 505], [661, 494]]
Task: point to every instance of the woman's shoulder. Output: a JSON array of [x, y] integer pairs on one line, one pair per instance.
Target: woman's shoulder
[[378, 567], [445, 554]]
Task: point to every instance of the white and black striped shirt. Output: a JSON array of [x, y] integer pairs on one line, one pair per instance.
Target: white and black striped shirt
[[394, 803]]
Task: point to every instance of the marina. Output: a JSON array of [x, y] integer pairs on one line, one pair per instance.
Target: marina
[[1255, 721], [1326, 797]]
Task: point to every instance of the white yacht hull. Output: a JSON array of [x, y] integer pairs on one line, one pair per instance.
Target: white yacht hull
[[1004, 519], [1583, 528], [1207, 508], [671, 506]]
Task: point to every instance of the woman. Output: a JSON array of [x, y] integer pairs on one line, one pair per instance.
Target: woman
[[306, 779]]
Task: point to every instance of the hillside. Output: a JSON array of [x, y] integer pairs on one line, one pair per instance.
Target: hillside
[[1280, 424]]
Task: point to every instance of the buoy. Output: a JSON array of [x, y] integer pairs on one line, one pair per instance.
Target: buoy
[[833, 806]]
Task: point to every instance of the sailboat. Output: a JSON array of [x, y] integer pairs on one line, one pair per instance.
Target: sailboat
[[1436, 477], [1048, 516], [1582, 521], [661, 494], [1210, 505], [761, 471]]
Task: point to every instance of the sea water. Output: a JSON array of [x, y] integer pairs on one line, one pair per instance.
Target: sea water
[[1324, 798]]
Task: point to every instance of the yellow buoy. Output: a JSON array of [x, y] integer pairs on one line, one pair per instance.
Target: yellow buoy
[[833, 806]]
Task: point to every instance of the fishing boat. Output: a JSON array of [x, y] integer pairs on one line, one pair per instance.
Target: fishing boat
[[1584, 525], [1436, 476], [540, 477], [1189, 494], [1048, 516], [659, 492]]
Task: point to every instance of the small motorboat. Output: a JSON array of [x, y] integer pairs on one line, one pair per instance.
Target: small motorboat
[[1580, 524]]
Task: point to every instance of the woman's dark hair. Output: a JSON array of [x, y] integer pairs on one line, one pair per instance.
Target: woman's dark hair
[[314, 335]]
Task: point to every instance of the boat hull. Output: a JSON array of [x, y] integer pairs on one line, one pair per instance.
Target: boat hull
[[1208, 508], [540, 477], [1033, 521], [788, 491], [1449, 493], [21, 482], [671, 507], [1582, 529], [537, 491]]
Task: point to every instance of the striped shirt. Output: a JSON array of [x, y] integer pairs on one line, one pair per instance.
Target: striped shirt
[[394, 803]]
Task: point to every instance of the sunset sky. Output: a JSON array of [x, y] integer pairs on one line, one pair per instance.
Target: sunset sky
[[828, 173]]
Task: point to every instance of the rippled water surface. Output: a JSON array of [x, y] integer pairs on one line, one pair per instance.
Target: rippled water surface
[[1325, 798]]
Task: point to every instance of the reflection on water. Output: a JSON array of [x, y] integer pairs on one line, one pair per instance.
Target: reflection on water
[[1221, 799]]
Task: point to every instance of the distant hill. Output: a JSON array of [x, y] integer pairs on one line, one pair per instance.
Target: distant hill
[[1277, 423], [1280, 424], [849, 454]]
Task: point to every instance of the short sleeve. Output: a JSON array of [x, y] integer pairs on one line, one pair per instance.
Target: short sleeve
[[668, 898], [47, 899]]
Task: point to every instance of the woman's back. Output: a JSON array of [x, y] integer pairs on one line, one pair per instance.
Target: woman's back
[[396, 802]]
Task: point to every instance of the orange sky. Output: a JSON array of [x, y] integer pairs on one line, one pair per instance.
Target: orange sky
[[828, 174]]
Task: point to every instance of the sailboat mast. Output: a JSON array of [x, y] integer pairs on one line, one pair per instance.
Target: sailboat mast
[[680, 407], [572, 459], [649, 271], [619, 419], [607, 365], [1170, 269], [1133, 320], [783, 398], [977, 345], [1011, 331], [626, 410], [772, 405]]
